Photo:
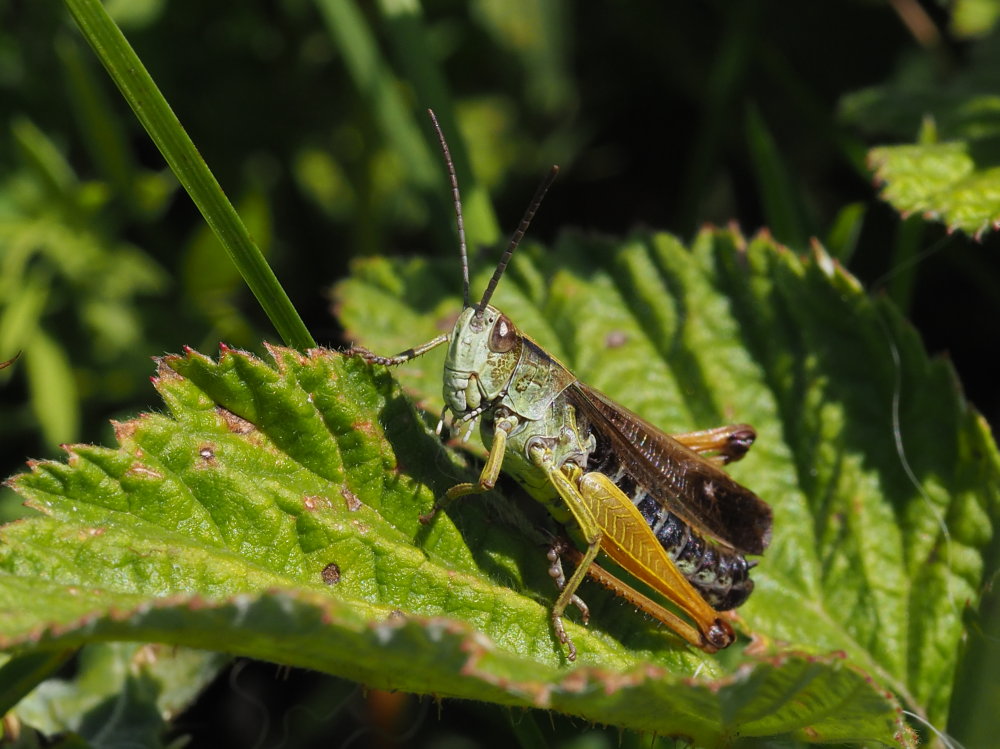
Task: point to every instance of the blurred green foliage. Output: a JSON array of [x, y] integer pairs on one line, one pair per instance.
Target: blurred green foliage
[[311, 116]]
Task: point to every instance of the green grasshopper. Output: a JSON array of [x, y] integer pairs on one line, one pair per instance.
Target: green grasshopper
[[659, 506]]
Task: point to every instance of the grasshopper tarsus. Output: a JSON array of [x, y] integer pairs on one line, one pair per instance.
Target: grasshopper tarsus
[[554, 555], [740, 442], [560, 630], [372, 358], [720, 635]]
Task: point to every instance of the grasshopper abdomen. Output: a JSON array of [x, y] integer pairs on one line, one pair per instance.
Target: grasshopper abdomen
[[720, 575]]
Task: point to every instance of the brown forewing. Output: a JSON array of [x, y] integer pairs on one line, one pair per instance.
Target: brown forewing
[[691, 487]]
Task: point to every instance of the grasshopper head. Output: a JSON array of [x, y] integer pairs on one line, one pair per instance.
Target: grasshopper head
[[482, 356]]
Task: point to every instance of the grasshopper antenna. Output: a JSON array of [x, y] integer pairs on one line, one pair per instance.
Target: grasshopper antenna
[[458, 207], [515, 238]]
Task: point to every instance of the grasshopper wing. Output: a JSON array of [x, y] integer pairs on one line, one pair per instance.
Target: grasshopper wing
[[699, 493]]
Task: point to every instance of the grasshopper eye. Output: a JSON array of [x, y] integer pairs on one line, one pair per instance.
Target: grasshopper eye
[[503, 336]]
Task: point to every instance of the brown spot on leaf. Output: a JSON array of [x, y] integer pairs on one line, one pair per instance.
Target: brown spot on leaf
[[138, 469], [163, 369], [124, 429], [278, 354], [207, 454], [759, 646], [576, 682], [331, 574], [234, 423], [311, 502], [363, 426], [615, 339], [350, 499], [147, 654], [361, 528]]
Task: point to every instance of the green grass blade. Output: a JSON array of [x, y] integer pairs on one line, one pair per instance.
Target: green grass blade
[[842, 237], [54, 395], [783, 211], [398, 121]]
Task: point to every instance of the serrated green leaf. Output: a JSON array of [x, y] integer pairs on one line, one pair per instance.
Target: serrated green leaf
[[949, 173], [273, 511], [939, 181]]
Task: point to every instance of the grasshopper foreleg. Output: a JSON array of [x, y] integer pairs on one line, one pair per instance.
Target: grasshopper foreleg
[[401, 357], [491, 471]]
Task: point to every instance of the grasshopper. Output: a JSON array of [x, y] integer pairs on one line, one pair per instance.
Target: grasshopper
[[659, 506]]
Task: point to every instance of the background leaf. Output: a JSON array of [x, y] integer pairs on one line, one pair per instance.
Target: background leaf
[[121, 693], [950, 173], [971, 18]]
